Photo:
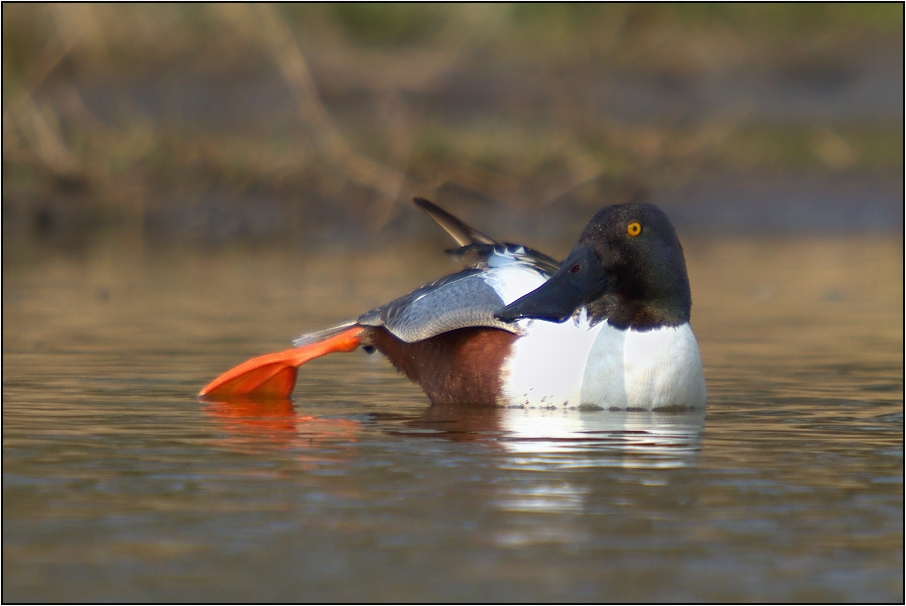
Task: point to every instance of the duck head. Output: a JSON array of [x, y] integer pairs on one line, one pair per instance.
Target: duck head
[[627, 267]]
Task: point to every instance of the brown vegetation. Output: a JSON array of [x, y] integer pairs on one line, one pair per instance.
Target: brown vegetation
[[236, 119]]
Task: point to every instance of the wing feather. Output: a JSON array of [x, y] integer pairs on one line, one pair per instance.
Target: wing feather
[[463, 233], [461, 300]]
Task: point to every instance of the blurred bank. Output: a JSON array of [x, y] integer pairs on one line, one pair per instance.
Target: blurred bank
[[312, 122]]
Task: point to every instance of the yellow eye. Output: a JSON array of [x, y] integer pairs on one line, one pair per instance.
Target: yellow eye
[[634, 229]]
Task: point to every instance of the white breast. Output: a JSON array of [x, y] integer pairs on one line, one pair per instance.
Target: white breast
[[573, 363], [651, 369], [546, 364]]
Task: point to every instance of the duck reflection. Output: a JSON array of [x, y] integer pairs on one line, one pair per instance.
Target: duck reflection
[[564, 462], [534, 436], [578, 436], [555, 463], [583, 436], [525, 444], [249, 423], [639, 438]]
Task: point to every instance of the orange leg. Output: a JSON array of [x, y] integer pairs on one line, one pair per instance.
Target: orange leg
[[274, 375]]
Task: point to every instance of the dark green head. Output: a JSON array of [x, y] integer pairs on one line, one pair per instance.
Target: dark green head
[[628, 268]]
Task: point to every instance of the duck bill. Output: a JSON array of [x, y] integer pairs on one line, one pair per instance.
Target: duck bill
[[576, 283]]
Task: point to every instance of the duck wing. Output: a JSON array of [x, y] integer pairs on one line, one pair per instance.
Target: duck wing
[[468, 298], [496, 274]]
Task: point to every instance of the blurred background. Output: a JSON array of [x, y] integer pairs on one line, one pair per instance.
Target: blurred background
[[186, 186], [318, 122]]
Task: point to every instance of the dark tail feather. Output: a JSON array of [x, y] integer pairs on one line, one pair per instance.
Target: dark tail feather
[[463, 234]]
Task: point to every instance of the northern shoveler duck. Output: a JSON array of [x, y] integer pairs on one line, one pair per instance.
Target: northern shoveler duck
[[608, 327]]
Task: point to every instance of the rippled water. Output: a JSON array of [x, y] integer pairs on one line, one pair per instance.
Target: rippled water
[[119, 485]]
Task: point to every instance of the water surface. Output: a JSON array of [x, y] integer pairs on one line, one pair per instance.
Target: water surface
[[119, 485]]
